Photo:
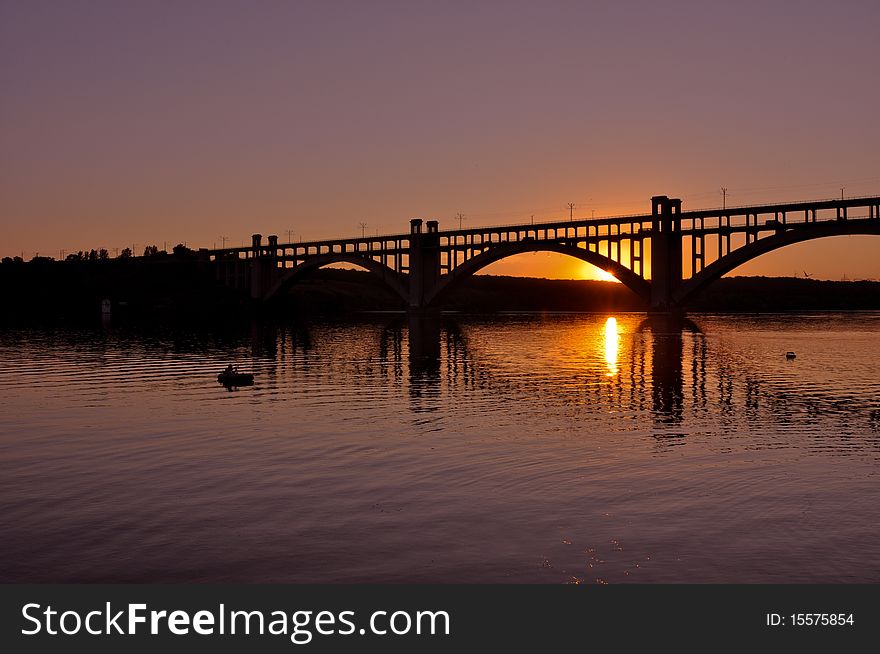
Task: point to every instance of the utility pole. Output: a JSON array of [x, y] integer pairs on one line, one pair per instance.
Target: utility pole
[[724, 197], [533, 219], [290, 236], [363, 229], [841, 191], [223, 240], [460, 217], [571, 211]]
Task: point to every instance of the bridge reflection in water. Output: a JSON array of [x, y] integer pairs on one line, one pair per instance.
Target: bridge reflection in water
[[655, 361], [657, 372]]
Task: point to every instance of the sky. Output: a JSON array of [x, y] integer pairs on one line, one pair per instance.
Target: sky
[[133, 123]]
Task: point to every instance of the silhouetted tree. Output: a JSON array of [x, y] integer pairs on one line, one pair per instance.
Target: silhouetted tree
[[93, 255], [180, 250], [74, 256], [7, 260], [151, 250], [103, 255], [17, 260], [125, 254]]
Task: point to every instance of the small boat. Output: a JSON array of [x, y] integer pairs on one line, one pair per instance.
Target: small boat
[[790, 355], [235, 378]]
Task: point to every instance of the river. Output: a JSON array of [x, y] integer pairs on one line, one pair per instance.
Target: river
[[585, 448]]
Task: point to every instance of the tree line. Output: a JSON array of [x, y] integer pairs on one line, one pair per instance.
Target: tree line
[[101, 254]]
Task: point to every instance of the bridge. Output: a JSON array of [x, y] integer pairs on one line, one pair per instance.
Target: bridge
[[665, 257]]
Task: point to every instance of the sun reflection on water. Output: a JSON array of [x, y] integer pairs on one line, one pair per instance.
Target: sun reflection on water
[[612, 345]]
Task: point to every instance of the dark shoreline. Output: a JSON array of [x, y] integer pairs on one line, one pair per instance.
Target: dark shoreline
[[177, 290]]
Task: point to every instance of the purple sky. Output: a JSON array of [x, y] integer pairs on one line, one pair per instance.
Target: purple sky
[[143, 122]]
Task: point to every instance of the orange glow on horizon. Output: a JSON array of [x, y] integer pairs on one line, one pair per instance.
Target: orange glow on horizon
[[547, 265]]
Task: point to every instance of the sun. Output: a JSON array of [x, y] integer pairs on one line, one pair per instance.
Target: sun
[[589, 271]]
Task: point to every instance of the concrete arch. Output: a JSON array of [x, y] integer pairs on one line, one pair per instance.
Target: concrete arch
[[392, 279], [497, 251], [742, 255]]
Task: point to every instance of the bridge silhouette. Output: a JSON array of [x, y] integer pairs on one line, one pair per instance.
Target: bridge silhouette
[[665, 257]]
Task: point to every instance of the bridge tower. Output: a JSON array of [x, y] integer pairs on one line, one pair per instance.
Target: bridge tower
[[424, 261], [666, 265], [263, 265]]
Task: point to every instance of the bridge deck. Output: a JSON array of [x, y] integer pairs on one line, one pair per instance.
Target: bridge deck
[[613, 228]]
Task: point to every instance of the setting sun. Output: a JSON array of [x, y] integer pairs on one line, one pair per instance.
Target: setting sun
[[589, 271]]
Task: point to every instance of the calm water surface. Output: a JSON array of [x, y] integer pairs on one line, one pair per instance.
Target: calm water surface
[[552, 448]]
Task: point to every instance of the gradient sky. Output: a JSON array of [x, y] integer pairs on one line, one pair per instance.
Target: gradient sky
[[143, 122]]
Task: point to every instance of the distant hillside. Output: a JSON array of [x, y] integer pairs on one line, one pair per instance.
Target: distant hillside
[[786, 294], [334, 290]]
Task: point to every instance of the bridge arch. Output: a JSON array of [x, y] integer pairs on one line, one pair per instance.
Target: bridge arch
[[392, 279], [753, 250], [497, 251]]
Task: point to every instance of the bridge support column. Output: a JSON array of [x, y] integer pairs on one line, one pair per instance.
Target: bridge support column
[[424, 262], [666, 252], [263, 267]]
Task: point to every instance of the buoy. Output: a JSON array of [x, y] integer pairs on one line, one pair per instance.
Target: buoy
[[790, 355]]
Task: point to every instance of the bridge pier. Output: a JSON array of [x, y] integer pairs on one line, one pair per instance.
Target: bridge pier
[[424, 262], [263, 266], [666, 265]]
